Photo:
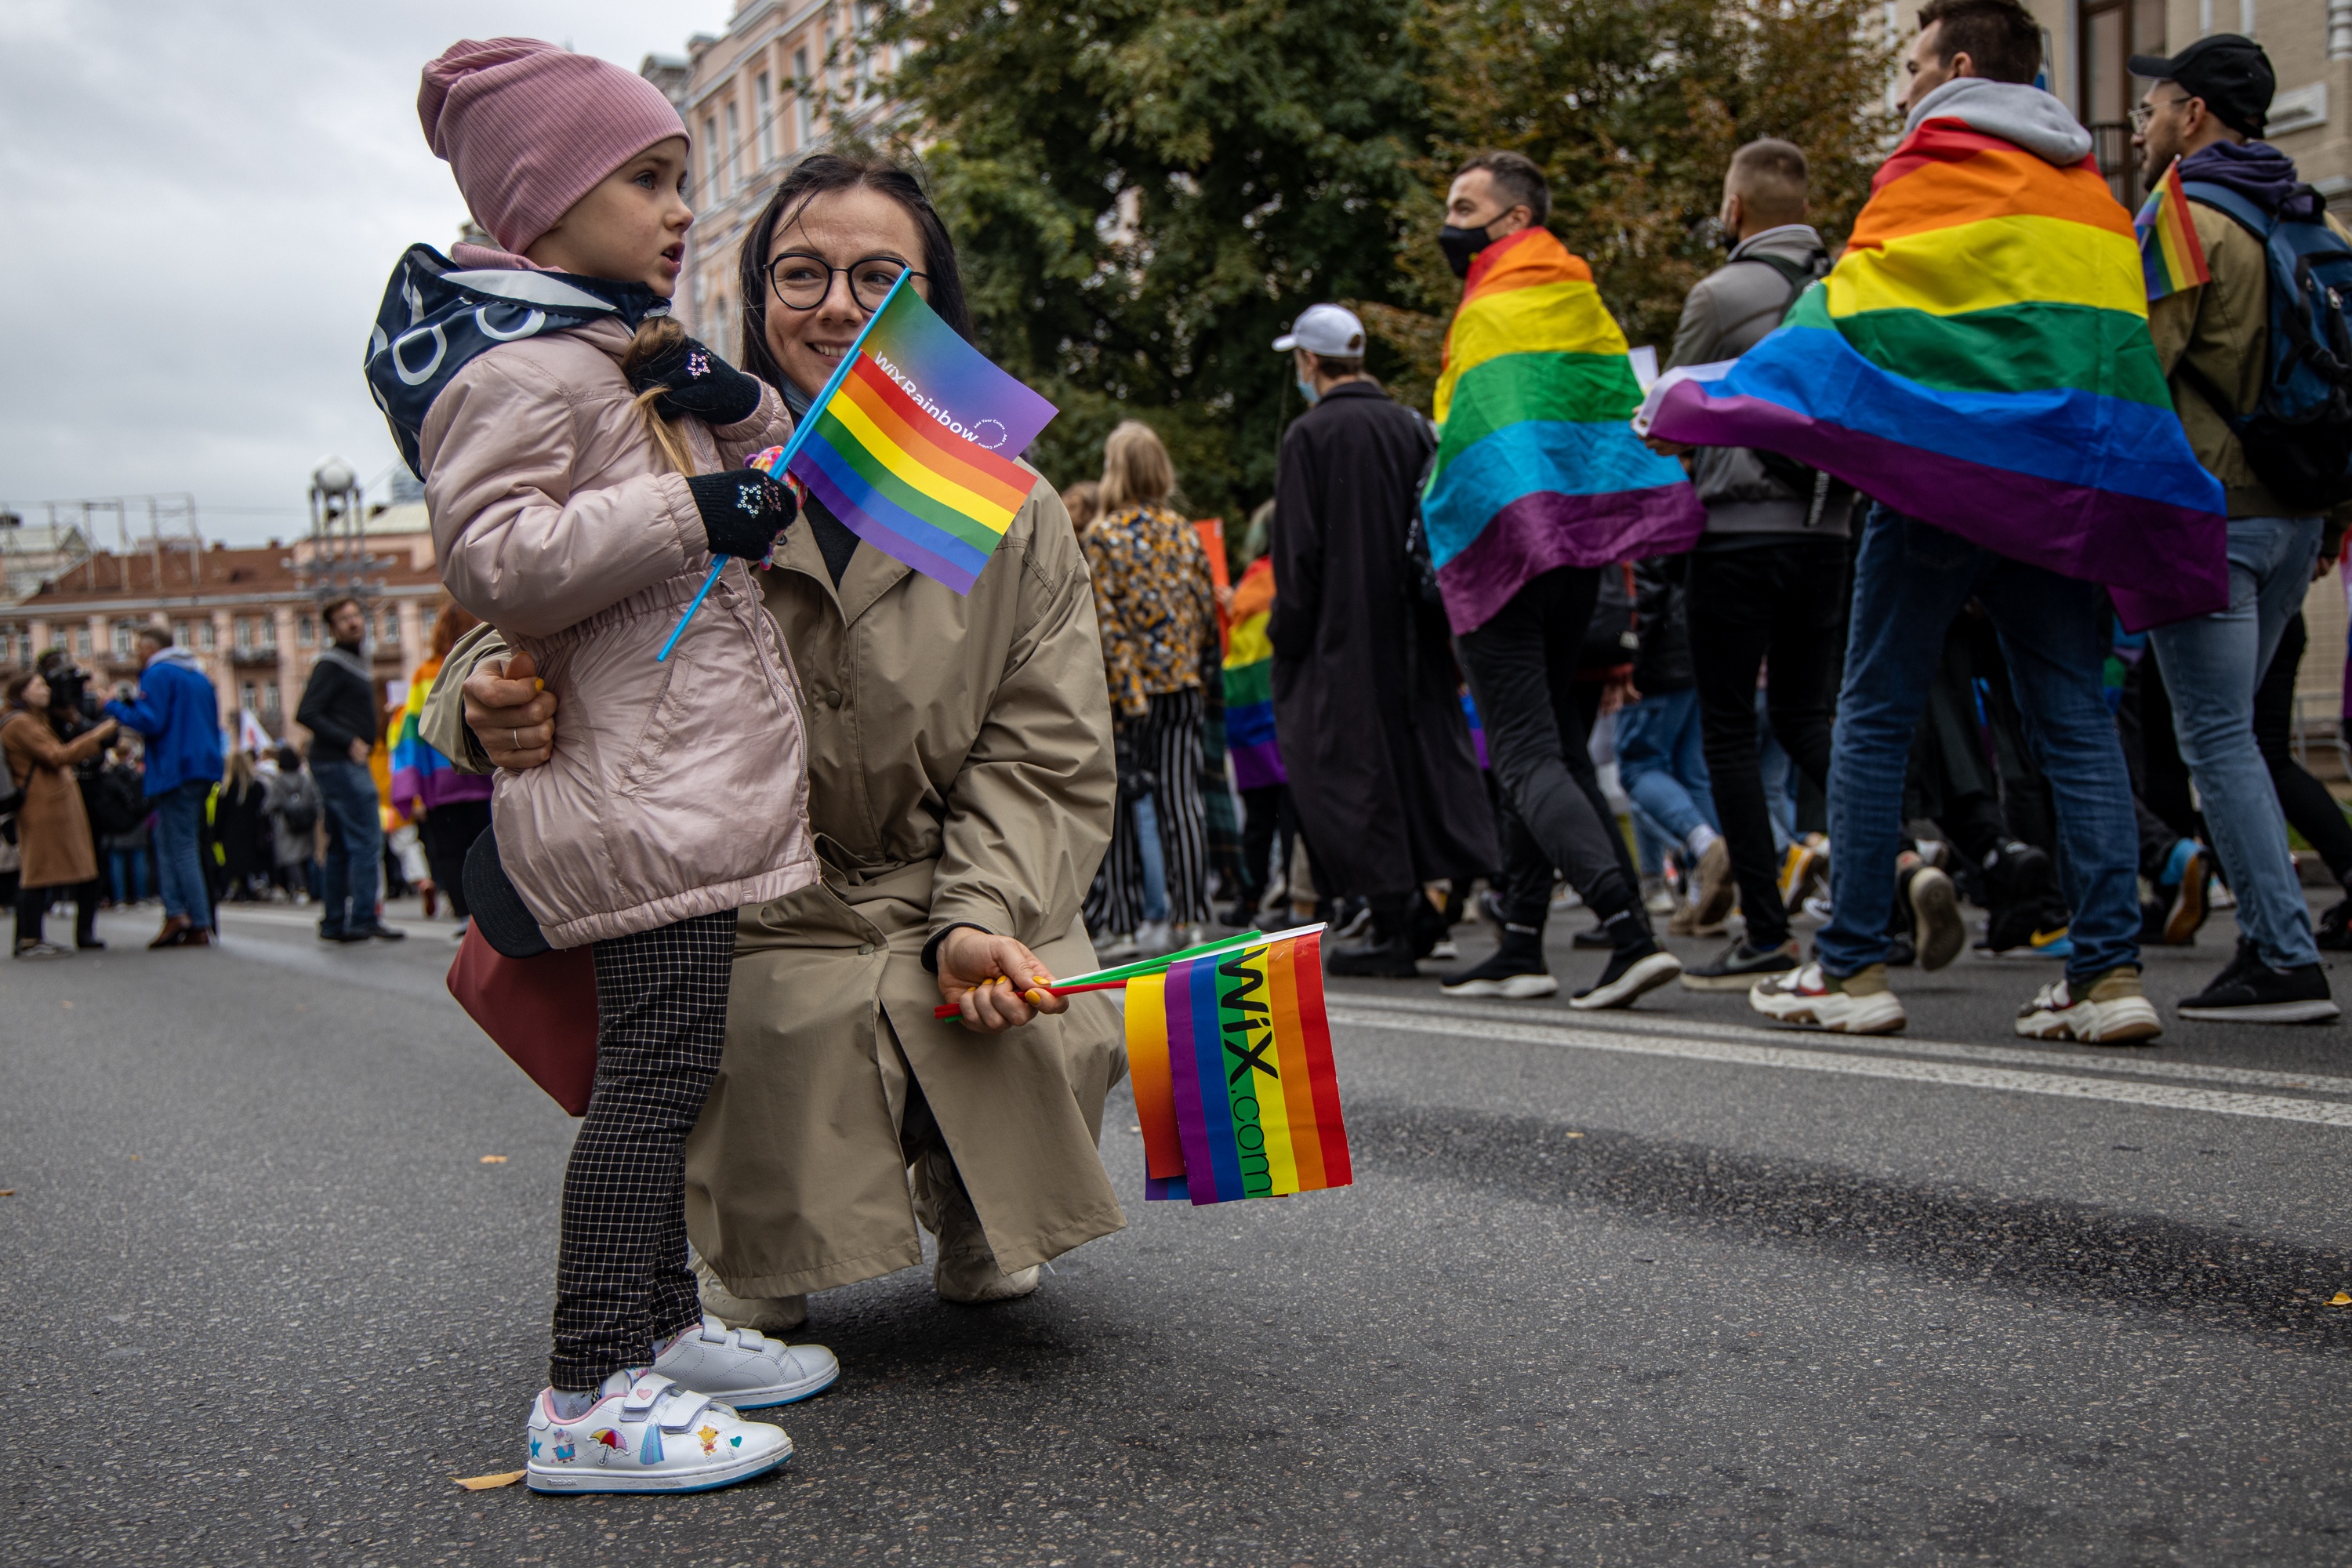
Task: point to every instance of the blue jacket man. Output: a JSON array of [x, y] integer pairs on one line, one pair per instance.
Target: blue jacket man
[[179, 714]]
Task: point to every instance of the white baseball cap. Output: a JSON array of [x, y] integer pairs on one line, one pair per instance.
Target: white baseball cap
[[1330, 330]]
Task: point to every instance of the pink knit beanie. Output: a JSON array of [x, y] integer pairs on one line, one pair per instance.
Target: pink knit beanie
[[528, 129]]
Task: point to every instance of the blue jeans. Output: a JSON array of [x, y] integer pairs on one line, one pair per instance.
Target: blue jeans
[[127, 869], [1662, 764], [179, 861], [2212, 666], [1910, 580], [355, 844], [1154, 857]]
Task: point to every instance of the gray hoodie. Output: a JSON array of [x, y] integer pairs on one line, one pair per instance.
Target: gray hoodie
[[2013, 111]]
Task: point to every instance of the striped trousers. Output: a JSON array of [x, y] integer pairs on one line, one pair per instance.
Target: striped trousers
[[1169, 736]]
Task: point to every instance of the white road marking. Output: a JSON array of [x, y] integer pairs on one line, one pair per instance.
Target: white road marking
[[2326, 1114], [2056, 1054]]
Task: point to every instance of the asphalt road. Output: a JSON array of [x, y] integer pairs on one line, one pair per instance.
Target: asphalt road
[[1656, 1287]]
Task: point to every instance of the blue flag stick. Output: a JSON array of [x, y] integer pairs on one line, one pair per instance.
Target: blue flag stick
[[799, 434]]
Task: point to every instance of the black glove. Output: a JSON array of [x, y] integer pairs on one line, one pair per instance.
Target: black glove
[[699, 383], [742, 512]]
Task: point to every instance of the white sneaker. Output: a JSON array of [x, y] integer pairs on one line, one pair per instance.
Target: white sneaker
[[646, 1434], [1118, 949], [745, 1367], [2111, 1012], [1154, 937], [1808, 996]]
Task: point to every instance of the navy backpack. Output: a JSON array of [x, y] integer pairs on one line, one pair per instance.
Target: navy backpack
[[2298, 439]]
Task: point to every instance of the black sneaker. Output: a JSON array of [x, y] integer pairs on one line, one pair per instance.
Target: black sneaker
[[1902, 952], [1632, 971], [2251, 991], [1741, 966], [1391, 959], [1515, 972], [1594, 937], [2334, 931]]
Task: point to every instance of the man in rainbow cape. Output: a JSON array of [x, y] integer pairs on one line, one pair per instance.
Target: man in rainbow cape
[[1979, 362], [1540, 483]]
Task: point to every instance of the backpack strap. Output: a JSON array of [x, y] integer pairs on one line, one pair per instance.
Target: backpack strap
[[2222, 199]]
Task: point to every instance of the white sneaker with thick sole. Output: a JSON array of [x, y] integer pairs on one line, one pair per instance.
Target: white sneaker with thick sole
[[650, 1437], [2121, 1017], [744, 1367], [1805, 996]]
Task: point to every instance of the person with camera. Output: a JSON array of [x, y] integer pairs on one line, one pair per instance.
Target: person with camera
[[53, 836], [179, 714]]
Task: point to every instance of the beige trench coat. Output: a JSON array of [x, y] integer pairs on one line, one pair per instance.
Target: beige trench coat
[[959, 769]]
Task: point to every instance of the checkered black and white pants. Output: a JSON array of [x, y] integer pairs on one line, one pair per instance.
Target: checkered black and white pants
[[621, 1278]]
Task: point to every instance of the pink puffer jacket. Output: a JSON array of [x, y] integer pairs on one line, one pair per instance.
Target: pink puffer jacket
[[676, 789]]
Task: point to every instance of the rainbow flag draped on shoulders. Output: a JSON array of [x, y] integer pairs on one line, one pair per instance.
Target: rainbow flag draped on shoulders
[[1249, 683], [1536, 466], [912, 444], [1979, 359]]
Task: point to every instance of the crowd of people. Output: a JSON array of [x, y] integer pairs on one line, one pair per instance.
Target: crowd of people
[[111, 804], [1960, 723]]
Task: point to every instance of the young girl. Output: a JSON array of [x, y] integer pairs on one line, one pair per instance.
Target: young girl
[[583, 463]]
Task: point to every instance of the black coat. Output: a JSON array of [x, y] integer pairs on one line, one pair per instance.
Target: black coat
[[1367, 700]]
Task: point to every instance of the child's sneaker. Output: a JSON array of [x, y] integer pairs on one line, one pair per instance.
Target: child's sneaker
[[2111, 1011], [744, 1367], [1858, 1005], [646, 1434]]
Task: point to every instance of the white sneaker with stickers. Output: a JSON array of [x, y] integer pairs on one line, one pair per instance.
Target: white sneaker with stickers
[[646, 1434], [744, 1367]]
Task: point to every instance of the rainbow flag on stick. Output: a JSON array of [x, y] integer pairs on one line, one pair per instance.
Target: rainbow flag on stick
[[2171, 257], [1230, 1056], [911, 447], [912, 443], [1535, 466], [1979, 359]]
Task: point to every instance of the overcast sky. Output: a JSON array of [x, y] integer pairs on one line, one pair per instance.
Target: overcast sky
[[202, 201]]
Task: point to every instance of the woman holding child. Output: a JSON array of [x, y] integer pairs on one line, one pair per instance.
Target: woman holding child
[[960, 787]]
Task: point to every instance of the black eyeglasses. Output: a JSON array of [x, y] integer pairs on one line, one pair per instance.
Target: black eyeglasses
[[802, 280]]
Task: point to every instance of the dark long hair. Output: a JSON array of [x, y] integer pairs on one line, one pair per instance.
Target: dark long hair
[[820, 174]]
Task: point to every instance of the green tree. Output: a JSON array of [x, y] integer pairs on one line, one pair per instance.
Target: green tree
[[1145, 193], [1633, 109]]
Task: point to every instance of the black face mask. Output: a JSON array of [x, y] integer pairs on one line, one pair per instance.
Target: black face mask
[[1461, 246]]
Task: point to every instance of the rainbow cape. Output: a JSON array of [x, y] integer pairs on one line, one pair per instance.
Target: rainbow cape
[[2171, 257], [1979, 359], [1535, 467], [1230, 1055], [911, 444], [1249, 683]]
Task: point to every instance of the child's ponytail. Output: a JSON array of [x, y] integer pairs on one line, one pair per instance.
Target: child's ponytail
[[658, 336]]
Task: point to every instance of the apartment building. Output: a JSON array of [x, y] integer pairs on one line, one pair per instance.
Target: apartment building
[[249, 615], [2309, 43], [784, 77]]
